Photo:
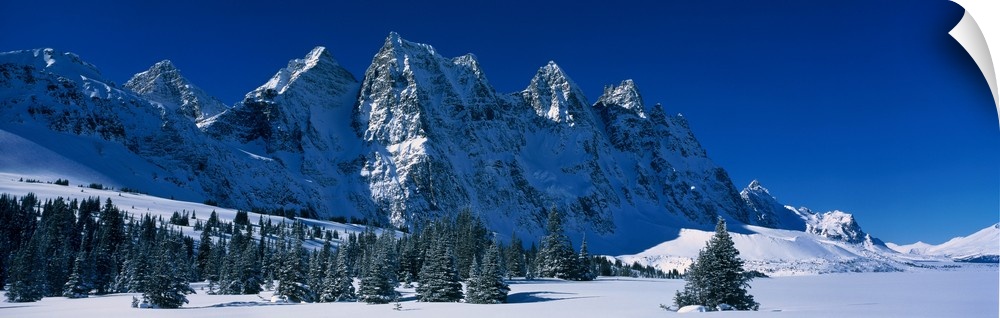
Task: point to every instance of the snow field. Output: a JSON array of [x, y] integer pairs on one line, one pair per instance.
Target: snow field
[[970, 291]]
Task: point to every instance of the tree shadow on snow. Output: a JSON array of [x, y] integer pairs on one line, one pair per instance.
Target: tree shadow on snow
[[412, 297], [533, 297], [241, 304]]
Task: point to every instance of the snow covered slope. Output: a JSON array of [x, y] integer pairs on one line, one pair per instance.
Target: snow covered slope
[[776, 252], [141, 204], [835, 225], [796, 242], [982, 246], [915, 248]]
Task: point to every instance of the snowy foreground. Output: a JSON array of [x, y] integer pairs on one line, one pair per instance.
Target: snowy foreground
[[970, 291]]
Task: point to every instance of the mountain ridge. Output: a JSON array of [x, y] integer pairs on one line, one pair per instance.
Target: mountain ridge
[[418, 136], [981, 246]]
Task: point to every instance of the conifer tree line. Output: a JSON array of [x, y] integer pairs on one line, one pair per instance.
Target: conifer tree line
[[73, 248]]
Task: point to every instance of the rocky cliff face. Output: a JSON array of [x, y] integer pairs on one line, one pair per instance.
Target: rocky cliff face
[[419, 136]]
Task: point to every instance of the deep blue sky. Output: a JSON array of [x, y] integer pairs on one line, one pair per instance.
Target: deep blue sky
[[864, 106]]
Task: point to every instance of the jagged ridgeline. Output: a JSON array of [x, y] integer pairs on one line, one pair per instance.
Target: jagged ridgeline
[[419, 136]]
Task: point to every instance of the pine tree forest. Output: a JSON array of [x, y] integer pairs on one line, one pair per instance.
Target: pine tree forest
[[70, 248]]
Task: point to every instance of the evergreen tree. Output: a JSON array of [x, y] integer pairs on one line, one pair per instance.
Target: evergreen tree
[[291, 280], [439, 280], [241, 273], [77, 286], [59, 243], [531, 262], [470, 239], [338, 283], [410, 259], [328, 292], [487, 286], [317, 272], [203, 259], [514, 257], [167, 285], [717, 276], [556, 258], [376, 285], [110, 236], [585, 264], [137, 275], [216, 262], [26, 274], [18, 221]]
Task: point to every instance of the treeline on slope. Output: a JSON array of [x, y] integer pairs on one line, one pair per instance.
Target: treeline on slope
[[72, 248], [291, 213], [76, 248]]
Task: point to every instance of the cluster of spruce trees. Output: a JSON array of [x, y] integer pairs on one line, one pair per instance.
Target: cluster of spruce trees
[[68, 248], [74, 248]]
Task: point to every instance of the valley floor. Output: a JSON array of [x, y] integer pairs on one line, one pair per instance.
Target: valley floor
[[969, 291]]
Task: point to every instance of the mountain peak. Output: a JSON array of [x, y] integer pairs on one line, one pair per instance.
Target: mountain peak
[[396, 43], [163, 83], [837, 225], [554, 95], [65, 64], [164, 65], [755, 186], [625, 95], [318, 53], [552, 69], [393, 37], [318, 57], [467, 59]]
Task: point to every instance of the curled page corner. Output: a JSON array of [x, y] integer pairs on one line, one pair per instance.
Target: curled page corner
[[969, 34]]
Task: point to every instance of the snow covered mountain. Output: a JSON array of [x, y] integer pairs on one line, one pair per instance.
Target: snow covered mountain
[[163, 83], [775, 252], [420, 135], [793, 242], [982, 246], [299, 122], [834, 225], [770, 212]]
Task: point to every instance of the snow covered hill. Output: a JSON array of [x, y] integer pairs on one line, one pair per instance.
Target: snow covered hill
[[776, 252], [140, 204], [982, 246]]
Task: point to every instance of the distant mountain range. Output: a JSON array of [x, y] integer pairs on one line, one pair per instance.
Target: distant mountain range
[[980, 247], [418, 136]]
